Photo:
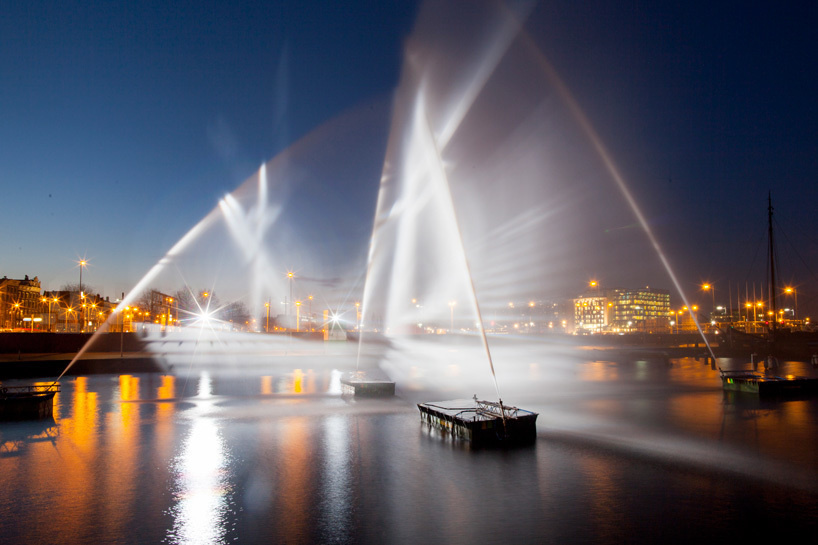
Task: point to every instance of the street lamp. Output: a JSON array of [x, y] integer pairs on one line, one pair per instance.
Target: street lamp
[[712, 289], [56, 301], [267, 323], [530, 322], [290, 276], [298, 316], [795, 295], [83, 263], [68, 311]]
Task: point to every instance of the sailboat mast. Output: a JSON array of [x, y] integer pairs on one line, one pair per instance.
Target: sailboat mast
[[771, 290]]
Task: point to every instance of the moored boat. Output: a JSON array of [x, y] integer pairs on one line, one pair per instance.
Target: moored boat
[[759, 384]]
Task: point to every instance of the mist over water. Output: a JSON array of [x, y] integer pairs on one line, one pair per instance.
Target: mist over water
[[630, 450]]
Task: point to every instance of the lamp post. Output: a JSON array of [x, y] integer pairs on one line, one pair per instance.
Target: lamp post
[[290, 276], [17, 311], [298, 316], [94, 315], [68, 311], [267, 323], [712, 289], [795, 295], [82, 297], [48, 301]]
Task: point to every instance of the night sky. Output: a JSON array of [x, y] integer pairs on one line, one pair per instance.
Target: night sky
[[123, 125]]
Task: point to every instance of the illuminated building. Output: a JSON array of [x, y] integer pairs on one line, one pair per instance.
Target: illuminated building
[[590, 313], [640, 309], [161, 308], [18, 299], [622, 310]]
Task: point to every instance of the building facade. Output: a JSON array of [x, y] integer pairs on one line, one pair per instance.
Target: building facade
[[641, 309], [19, 299], [591, 314], [623, 310]]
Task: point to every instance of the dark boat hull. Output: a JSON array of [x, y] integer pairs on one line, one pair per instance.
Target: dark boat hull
[[458, 419], [769, 386], [27, 405]]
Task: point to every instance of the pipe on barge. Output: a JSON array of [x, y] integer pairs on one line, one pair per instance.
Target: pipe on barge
[[481, 422]]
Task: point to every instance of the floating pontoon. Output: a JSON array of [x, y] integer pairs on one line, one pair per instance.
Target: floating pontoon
[[481, 422], [361, 384]]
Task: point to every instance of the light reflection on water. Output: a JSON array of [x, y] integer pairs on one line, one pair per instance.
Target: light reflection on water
[[207, 458], [202, 489]]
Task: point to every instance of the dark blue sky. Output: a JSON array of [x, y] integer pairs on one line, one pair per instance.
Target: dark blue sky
[[123, 125]]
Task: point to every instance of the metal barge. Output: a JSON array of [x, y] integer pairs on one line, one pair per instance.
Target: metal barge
[[27, 402], [481, 422], [360, 384], [751, 382]]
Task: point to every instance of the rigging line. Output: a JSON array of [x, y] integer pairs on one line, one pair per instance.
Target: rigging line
[[794, 248], [761, 241]]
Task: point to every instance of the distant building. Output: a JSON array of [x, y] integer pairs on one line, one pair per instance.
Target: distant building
[[18, 299], [590, 314], [162, 308], [619, 310], [640, 309]]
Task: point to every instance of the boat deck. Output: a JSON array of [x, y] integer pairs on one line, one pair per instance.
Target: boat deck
[[480, 422], [768, 385], [361, 384]]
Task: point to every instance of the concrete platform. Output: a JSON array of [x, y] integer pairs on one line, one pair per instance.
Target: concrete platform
[[481, 422], [367, 384]]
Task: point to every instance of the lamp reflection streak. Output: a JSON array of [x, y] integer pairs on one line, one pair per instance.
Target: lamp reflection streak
[[202, 487]]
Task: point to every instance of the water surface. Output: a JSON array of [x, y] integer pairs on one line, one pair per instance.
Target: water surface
[[635, 451]]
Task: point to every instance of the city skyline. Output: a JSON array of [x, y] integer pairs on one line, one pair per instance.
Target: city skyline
[[124, 128]]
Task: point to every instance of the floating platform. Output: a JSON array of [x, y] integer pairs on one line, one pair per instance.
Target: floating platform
[[361, 384], [481, 422], [27, 402], [751, 382]]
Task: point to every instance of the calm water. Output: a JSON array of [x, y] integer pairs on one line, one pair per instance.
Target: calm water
[[636, 452]]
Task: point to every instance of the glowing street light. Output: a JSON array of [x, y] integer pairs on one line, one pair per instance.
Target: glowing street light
[[290, 277], [82, 264], [267, 323], [712, 289], [791, 290], [530, 319]]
